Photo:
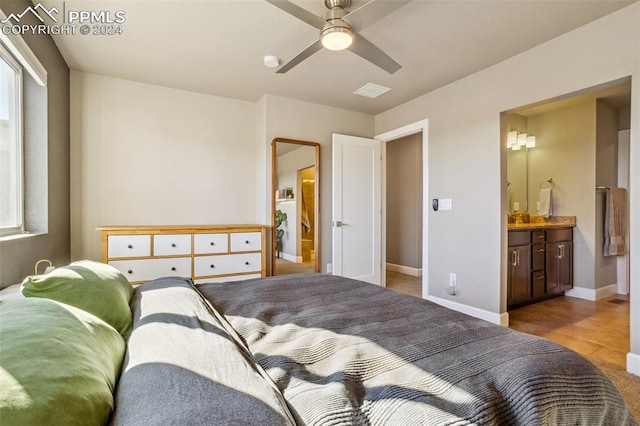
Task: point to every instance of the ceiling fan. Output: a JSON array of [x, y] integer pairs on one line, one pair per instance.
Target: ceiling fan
[[339, 29]]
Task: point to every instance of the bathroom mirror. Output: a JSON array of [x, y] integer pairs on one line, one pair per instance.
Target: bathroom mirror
[[295, 213], [517, 165], [517, 180]]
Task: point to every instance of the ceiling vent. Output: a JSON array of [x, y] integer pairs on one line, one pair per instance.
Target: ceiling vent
[[371, 90]]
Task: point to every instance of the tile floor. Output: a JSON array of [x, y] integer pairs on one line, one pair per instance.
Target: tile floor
[[596, 329]]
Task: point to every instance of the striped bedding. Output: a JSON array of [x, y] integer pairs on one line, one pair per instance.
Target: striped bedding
[[344, 352]]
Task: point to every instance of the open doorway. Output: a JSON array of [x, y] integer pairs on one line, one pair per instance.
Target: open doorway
[[403, 164], [582, 150]]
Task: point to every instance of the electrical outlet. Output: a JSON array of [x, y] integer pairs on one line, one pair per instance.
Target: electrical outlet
[[452, 279], [329, 268]]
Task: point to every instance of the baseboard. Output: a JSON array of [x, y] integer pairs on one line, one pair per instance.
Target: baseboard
[[591, 293], [291, 258], [407, 270], [633, 363], [500, 319]]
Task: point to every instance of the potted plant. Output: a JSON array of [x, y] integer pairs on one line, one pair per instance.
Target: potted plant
[[281, 217]]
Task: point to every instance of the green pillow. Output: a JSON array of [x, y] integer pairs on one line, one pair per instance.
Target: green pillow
[[58, 364], [91, 286]]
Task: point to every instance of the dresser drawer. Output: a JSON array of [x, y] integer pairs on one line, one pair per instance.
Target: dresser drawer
[[129, 246], [150, 269], [227, 264], [171, 244], [246, 241], [227, 279], [210, 243]]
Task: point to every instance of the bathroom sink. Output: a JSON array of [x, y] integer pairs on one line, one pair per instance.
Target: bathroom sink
[[518, 218]]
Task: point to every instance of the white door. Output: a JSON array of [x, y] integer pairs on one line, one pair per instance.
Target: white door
[[356, 215]]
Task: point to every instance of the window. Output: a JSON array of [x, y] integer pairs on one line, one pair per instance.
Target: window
[[11, 166]]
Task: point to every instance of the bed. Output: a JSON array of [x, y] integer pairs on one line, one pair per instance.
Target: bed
[[316, 349]]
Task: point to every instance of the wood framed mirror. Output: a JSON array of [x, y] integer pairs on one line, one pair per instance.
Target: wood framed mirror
[[295, 191]]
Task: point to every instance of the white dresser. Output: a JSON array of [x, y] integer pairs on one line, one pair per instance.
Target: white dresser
[[206, 253]]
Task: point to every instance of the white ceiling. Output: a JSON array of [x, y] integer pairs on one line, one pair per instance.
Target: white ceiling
[[216, 46]]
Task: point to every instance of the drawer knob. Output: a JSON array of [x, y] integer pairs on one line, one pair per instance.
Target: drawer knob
[[129, 271], [246, 263], [212, 243], [173, 244], [173, 268], [212, 266], [246, 242], [129, 246]]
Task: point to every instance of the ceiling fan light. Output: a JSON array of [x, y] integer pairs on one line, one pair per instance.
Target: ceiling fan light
[[336, 38]]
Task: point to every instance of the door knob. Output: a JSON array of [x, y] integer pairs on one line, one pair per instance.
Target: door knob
[[338, 223]]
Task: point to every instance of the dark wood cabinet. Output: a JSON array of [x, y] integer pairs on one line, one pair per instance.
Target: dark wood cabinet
[[540, 265], [519, 274], [559, 260]]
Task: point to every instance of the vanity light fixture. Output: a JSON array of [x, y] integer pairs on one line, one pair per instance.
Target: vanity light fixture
[[512, 138], [531, 141], [522, 139], [517, 140]]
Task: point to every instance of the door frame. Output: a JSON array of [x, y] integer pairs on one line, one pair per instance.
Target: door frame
[[407, 130]]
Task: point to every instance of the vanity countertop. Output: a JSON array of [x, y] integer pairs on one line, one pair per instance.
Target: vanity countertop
[[539, 222]]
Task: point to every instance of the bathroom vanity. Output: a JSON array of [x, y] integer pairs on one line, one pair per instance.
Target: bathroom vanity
[[540, 259]]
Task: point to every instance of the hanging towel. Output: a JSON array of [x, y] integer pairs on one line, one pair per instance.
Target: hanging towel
[[304, 214], [614, 221], [545, 209]]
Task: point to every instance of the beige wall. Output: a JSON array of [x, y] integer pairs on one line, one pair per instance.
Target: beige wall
[[624, 118], [145, 155], [606, 175], [404, 201], [566, 151], [292, 119], [467, 159], [46, 166]]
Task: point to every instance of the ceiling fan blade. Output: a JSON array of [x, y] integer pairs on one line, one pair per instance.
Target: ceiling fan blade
[[367, 50], [298, 12], [372, 12], [313, 48]]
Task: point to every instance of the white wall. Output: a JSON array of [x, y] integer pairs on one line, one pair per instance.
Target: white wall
[[292, 119], [467, 157], [148, 155]]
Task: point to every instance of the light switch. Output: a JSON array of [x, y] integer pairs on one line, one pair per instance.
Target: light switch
[[516, 206], [445, 204]]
